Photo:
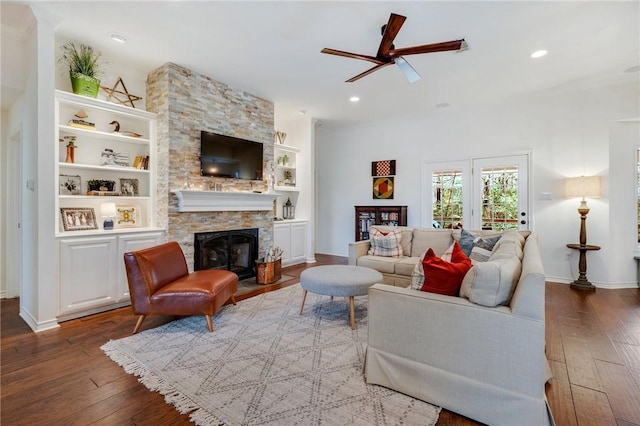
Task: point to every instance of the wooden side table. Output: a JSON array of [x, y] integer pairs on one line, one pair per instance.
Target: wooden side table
[[582, 283]]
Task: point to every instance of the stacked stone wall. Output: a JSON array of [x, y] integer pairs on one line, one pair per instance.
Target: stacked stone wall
[[187, 103]]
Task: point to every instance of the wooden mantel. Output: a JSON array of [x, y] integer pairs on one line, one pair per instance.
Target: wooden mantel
[[219, 201]]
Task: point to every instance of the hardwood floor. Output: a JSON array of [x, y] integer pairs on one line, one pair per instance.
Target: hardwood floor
[[61, 377]]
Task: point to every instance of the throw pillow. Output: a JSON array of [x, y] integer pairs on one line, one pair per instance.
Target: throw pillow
[[385, 244], [417, 276], [483, 245], [482, 248], [444, 277]]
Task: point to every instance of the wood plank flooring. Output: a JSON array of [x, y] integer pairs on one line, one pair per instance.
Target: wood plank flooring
[[61, 377]]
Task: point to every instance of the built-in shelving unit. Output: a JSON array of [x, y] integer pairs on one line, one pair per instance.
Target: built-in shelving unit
[[91, 270], [286, 159]]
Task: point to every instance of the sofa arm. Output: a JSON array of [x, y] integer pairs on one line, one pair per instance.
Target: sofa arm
[[488, 345], [358, 249]]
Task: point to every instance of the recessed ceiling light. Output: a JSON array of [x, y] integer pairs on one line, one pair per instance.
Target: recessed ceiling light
[[354, 99], [633, 69], [443, 105], [538, 53], [118, 37]]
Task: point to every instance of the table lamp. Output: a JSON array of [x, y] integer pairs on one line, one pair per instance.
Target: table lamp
[[108, 212], [583, 186]]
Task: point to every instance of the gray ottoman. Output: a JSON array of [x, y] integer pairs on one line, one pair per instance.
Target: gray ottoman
[[339, 280]]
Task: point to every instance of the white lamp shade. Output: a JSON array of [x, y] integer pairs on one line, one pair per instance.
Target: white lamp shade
[[108, 210], [582, 186]]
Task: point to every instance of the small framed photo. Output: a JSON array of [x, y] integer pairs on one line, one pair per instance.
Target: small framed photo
[[129, 187], [78, 218], [70, 184], [127, 216]]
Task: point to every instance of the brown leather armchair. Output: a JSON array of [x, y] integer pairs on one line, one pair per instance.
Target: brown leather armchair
[[160, 284]]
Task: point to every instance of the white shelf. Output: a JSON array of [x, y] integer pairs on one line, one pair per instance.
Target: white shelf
[[103, 233], [286, 188], [65, 165], [93, 197], [286, 148], [102, 135]]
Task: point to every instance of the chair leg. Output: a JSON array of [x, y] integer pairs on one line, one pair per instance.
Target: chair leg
[[304, 296], [209, 322], [139, 323], [352, 312]]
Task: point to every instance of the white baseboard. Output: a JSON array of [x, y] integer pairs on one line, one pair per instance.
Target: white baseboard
[[35, 325], [610, 286]]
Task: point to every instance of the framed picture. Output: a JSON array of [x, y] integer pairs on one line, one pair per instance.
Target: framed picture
[[129, 187], [383, 188], [70, 185], [127, 216], [78, 218]]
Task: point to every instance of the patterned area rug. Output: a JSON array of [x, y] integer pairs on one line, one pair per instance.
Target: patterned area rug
[[267, 365]]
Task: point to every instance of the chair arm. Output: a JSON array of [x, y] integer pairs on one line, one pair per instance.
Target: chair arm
[[358, 249]]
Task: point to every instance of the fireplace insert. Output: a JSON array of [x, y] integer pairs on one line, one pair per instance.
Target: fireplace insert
[[235, 250]]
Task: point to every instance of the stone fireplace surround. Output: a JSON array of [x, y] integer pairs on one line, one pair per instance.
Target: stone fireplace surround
[[186, 103]]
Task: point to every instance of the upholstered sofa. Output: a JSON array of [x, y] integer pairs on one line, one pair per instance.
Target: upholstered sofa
[[481, 361]]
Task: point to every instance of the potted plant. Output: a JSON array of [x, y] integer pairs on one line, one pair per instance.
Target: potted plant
[[83, 63]]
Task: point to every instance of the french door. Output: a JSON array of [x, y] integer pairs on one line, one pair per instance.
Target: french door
[[481, 193]]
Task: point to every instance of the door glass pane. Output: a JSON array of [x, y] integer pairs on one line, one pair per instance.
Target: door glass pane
[[447, 198], [638, 190], [500, 197]]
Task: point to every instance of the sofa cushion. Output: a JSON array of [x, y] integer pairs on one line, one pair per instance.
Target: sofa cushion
[[385, 243], [444, 277], [424, 239], [417, 275], [406, 236], [406, 265], [386, 265], [492, 283]]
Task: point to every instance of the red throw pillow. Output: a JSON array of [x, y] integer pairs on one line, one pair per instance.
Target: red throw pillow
[[444, 277]]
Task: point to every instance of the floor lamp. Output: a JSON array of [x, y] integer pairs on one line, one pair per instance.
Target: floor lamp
[[583, 186]]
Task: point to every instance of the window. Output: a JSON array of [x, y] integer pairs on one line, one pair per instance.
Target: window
[[499, 198], [447, 198]]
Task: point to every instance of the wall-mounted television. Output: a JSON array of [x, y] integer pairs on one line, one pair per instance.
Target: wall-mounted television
[[226, 156]]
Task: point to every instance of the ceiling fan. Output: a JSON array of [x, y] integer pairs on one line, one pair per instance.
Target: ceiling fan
[[388, 54]]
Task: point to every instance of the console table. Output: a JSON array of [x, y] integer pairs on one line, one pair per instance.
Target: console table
[[582, 283]]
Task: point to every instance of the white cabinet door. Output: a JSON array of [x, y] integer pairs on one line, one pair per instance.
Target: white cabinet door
[[298, 242], [132, 242], [291, 237], [282, 239], [88, 273]]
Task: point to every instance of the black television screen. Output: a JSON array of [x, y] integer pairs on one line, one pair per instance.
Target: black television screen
[[226, 156]]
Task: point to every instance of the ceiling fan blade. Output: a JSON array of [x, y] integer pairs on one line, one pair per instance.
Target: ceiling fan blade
[[369, 71], [390, 32], [409, 72], [429, 48], [351, 55]]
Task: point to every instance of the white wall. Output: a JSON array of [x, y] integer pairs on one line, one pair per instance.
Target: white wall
[[567, 132]]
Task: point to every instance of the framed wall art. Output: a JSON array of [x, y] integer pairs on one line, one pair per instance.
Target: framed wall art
[[383, 188], [78, 218], [127, 216], [129, 187], [69, 184], [383, 168]]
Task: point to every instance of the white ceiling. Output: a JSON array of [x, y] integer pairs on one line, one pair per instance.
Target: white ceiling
[[272, 49]]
